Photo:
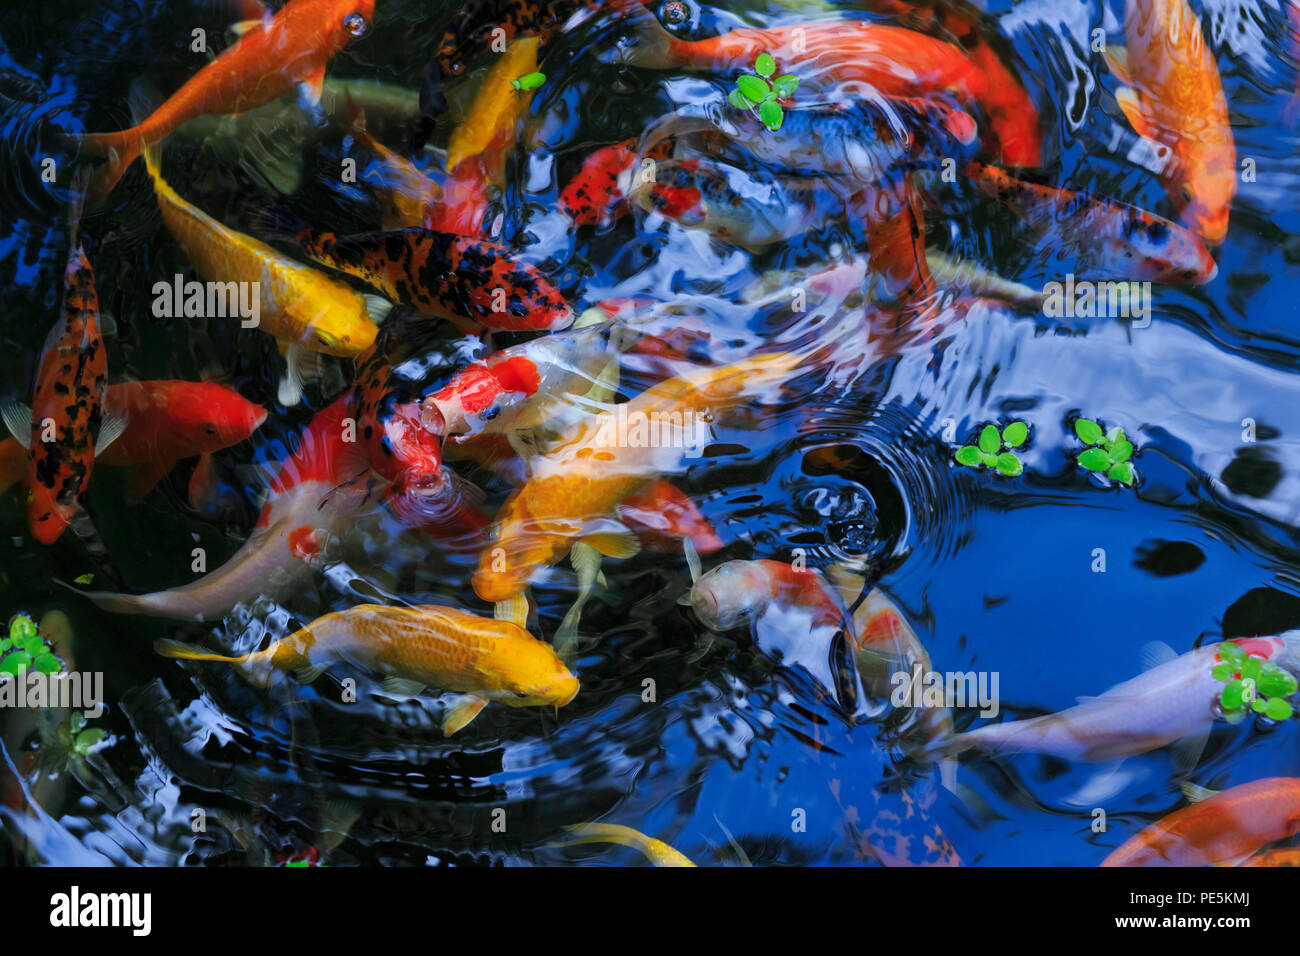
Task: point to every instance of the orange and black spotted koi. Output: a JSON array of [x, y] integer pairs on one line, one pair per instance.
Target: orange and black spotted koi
[[63, 424], [597, 194], [475, 284]]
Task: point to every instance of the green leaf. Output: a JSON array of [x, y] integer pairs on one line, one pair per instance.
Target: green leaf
[[15, 661], [771, 114], [47, 663], [784, 86], [1014, 435], [1258, 705], [1250, 669], [1009, 464], [529, 81], [967, 455], [990, 460], [33, 645], [1094, 459], [1115, 435], [1123, 473], [1088, 430], [83, 578], [1277, 710], [1232, 651], [21, 627], [88, 739], [1232, 698], [77, 720], [990, 440], [1224, 671], [753, 88], [1275, 682], [5, 644], [765, 65], [740, 101], [1123, 451]]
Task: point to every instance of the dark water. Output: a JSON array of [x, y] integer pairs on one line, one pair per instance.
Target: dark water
[[994, 575]]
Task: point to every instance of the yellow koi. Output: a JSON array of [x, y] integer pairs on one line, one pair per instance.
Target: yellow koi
[[657, 852], [498, 107], [413, 648]]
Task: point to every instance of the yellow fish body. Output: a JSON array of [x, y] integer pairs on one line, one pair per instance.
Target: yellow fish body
[[429, 646], [575, 489], [657, 852], [299, 306], [498, 107]]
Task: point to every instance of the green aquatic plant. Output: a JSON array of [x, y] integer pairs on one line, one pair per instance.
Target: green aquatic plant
[[757, 91], [989, 449], [528, 82], [25, 649], [77, 739], [1111, 453], [1252, 683]]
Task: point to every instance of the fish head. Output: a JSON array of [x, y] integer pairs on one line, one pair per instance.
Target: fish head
[[47, 515], [532, 674], [724, 597], [340, 326], [409, 454], [213, 416], [1169, 253], [1205, 194], [343, 21]]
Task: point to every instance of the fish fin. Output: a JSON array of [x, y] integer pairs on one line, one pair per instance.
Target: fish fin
[[592, 316], [337, 820], [1188, 750], [1116, 58], [1130, 104], [703, 644], [1155, 653], [1196, 793], [302, 368], [692, 561], [189, 652], [311, 87], [110, 430], [513, 610], [465, 708], [18, 419], [142, 478], [685, 599], [308, 673], [377, 307], [242, 28], [401, 687], [731, 841], [614, 544], [586, 561], [202, 482]]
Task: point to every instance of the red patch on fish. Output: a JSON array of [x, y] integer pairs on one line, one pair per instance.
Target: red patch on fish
[[304, 544], [883, 628]]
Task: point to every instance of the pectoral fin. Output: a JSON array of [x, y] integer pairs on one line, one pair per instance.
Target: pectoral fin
[[110, 430], [463, 710], [514, 610], [1116, 58], [1130, 104], [311, 86], [142, 478], [18, 419], [401, 687], [614, 544], [303, 368], [202, 482]]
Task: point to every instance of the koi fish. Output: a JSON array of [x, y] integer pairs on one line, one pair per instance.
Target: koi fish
[[1172, 701], [473, 283], [65, 426], [1289, 856], [794, 615], [410, 197], [269, 59], [414, 647], [499, 107], [895, 227], [573, 490], [597, 194], [167, 421], [657, 852], [1126, 242], [1011, 112], [314, 494], [1227, 826], [1173, 98], [661, 513], [733, 205], [272, 139], [304, 310]]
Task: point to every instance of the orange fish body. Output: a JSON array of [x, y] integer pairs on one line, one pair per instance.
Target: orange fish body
[[268, 61], [1174, 99], [167, 421], [67, 407], [591, 473], [1227, 826]]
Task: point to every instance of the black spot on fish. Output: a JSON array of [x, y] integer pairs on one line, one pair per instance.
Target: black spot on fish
[[1166, 559]]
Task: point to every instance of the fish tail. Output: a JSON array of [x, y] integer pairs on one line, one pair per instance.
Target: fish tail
[[116, 603], [81, 184], [120, 151], [274, 223], [256, 667]]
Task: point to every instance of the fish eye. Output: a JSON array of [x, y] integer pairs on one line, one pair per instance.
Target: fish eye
[[355, 24], [1187, 193], [209, 428], [325, 339]]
